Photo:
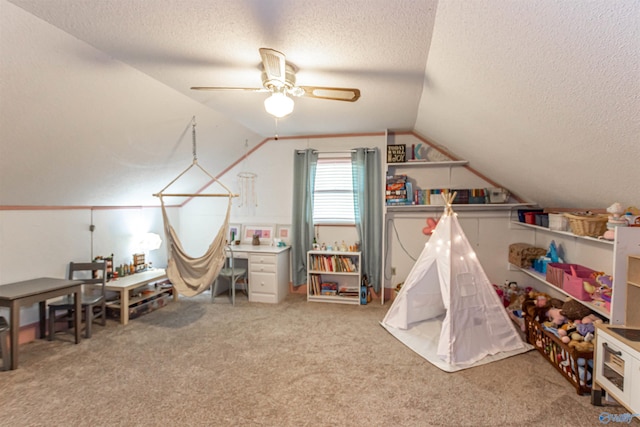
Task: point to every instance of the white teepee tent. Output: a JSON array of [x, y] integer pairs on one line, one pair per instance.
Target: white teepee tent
[[447, 310]]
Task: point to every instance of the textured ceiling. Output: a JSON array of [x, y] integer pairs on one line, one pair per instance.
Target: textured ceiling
[[95, 104], [543, 97]]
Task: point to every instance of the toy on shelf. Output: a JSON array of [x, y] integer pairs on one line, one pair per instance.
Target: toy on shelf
[[616, 219]]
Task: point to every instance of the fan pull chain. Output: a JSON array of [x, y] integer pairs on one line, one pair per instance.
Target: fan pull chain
[[193, 137]]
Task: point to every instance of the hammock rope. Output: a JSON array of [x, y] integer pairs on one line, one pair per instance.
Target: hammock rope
[[189, 275]]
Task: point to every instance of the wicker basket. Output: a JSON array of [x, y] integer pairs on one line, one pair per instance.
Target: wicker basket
[[587, 224]]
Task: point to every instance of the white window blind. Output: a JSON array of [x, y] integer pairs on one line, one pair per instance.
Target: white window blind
[[333, 192]]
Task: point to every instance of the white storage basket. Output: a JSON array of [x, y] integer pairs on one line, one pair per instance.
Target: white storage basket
[[558, 222]]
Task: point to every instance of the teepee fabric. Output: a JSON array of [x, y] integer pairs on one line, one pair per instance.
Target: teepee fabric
[[447, 310]]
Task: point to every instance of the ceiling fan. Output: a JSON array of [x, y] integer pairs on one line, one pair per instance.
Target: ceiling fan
[[279, 78]]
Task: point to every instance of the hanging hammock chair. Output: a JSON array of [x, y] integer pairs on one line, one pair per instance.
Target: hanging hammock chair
[[189, 275]]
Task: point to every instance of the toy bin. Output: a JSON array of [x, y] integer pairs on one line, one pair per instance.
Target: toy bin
[[542, 220], [573, 282], [522, 212], [558, 222], [575, 366], [530, 218], [591, 225], [555, 272], [523, 254]]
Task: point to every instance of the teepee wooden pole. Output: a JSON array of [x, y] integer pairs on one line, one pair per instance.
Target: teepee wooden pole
[[448, 201]]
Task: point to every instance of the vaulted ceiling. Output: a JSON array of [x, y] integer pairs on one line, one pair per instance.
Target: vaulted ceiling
[[95, 105]]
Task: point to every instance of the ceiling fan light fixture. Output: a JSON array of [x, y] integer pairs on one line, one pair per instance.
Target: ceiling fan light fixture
[[278, 105]]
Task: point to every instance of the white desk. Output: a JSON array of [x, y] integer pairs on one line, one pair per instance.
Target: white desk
[[134, 281], [269, 271]]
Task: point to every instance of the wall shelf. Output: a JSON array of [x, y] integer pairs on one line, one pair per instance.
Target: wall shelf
[[542, 278], [562, 233], [627, 242], [456, 207], [425, 163]]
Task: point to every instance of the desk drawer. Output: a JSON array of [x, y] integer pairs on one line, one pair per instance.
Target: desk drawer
[[262, 283], [262, 259], [263, 268]]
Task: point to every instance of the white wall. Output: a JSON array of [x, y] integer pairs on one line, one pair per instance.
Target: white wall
[[272, 163], [41, 243], [36, 243], [487, 232]]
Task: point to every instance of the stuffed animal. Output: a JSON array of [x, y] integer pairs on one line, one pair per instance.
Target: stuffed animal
[[565, 331], [431, 226], [584, 370], [556, 317], [582, 346], [573, 310], [585, 328], [536, 305]]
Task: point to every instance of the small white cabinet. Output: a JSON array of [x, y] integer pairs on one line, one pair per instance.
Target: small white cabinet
[[617, 367], [334, 277], [268, 273]]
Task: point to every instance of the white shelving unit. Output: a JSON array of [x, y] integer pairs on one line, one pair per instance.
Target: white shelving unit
[[340, 268], [399, 219], [414, 169], [627, 242]]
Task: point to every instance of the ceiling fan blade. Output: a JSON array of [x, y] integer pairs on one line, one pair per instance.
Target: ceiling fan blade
[[333, 93], [274, 64], [245, 89]]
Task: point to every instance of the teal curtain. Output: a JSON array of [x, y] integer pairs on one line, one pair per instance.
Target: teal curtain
[[367, 201], [304, 173]]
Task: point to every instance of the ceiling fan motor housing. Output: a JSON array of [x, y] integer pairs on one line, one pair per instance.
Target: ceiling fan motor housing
[[288, 83]]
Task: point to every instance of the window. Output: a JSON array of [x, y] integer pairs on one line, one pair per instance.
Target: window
[[333, 192]]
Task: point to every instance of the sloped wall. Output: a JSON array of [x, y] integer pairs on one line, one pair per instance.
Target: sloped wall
[[542, 96]]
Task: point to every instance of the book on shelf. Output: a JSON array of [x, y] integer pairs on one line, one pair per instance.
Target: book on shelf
[[333, 263], [349, 291]]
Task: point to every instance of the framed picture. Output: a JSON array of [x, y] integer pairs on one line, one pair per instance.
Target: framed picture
[[235, 232], [264, 232], [283, 232], [396, 153]]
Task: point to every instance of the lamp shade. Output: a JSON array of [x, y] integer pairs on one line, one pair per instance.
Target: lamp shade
[[150, 242], [278, 105]]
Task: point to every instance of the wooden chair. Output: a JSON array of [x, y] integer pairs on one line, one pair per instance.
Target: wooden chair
[[232, 274], [4, 350], [93, 296]]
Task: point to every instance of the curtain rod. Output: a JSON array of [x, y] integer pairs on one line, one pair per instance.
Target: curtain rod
[[336, 152]]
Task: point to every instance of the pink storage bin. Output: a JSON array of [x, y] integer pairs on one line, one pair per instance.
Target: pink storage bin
[[556, 271], [574, 284]]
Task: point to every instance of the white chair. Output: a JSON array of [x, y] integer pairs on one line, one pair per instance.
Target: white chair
[[233, 275]]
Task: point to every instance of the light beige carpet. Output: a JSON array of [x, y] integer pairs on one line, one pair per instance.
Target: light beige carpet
[[193, 363]]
